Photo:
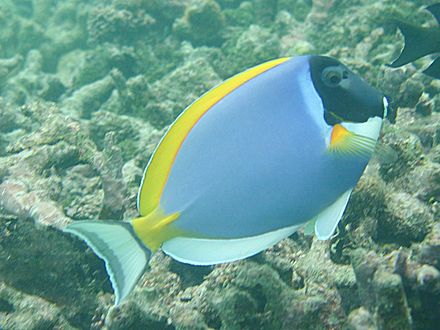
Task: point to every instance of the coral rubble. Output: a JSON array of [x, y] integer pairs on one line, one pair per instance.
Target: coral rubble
[[87, 88]]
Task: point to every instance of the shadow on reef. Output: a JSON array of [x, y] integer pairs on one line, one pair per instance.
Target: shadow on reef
[[41, 261]]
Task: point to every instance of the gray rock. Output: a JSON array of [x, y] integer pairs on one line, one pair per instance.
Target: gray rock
[[409, 221], [391, 306], [361, 319], [202, 23]]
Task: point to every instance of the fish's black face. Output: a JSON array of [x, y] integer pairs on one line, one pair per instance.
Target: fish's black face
[[345, 96]]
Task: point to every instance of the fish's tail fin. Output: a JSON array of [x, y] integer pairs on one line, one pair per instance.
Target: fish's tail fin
[[418, 43], [435, 11], [434, 69], [115, 242]]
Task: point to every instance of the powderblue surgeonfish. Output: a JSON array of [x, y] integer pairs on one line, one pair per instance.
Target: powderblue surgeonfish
[[250, 162]]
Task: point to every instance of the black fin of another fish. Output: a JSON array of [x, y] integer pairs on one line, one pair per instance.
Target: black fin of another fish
[[418, 43], [435, 11], [434, 69]]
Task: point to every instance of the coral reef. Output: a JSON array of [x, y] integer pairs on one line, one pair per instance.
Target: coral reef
[[202, 23], [87, 89]]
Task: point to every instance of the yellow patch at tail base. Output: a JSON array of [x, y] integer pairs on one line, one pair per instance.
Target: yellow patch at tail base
[[154, 228]]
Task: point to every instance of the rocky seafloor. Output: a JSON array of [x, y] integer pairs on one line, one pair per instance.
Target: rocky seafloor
[[87, 88]]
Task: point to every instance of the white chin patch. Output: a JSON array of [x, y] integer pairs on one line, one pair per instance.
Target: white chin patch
[[370, 128]]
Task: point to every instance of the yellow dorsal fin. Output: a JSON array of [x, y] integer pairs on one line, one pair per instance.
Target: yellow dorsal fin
[[154, 228], [160, 164]]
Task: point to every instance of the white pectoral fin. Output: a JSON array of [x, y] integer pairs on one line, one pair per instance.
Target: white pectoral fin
[[327, 221], [199, 251], [355, 138]]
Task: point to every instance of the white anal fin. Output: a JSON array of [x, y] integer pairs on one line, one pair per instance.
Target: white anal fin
[[327, 221], [198, 251]]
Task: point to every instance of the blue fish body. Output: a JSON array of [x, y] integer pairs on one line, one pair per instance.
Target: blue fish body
[[257, 161], [247, 164]]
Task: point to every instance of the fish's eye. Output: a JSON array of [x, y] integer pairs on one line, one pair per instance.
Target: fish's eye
[[332, 76]]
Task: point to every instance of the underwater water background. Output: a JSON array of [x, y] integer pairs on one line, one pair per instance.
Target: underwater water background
[[87, 89]]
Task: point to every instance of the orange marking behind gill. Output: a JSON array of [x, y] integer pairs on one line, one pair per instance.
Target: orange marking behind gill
[[338, 135]]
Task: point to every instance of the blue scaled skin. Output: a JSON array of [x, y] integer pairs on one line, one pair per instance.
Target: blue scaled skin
[[257, 161]]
